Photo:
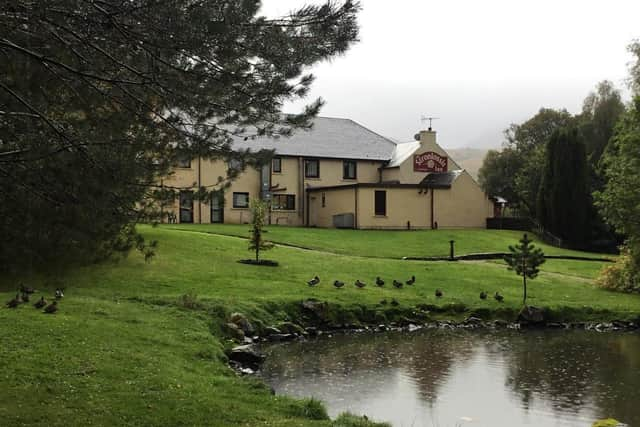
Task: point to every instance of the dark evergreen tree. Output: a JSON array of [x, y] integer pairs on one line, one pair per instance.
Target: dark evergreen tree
[[525, 259], [99, 99], [563, 198]]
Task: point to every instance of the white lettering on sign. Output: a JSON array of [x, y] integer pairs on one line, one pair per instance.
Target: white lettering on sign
[[430, 162]]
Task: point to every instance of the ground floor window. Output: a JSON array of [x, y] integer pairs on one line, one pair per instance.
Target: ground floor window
[[186, 206], [240, 200], [283, 202], [380, 207]]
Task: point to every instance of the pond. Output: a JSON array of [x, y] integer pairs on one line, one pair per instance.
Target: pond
[[440, 378]]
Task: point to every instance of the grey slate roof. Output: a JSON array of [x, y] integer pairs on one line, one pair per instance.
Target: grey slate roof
[[329, 137], [440, 179]]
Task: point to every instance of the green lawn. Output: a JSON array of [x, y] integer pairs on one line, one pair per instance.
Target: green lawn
[[385, 243], [122, 350]]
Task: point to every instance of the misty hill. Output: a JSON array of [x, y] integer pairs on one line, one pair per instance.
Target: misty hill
[[468, 158]]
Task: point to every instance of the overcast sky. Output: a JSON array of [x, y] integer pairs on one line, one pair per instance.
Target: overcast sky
[[477, 65]]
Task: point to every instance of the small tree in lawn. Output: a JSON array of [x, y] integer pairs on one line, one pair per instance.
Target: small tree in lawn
[[257, 242], [525, 259]]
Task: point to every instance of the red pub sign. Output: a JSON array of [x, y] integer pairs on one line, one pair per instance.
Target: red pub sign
[[429, 162]]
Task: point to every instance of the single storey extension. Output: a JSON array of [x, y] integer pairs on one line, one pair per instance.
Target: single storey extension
[[339, 174]]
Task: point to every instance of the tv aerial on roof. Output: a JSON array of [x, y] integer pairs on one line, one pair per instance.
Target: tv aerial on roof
[[424, 119]]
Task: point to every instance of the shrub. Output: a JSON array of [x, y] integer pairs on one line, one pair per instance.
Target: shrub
[[313, 409], [621, 276], [349, 420]]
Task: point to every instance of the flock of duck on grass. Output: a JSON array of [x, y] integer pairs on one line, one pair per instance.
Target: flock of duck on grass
[[24, 295], [398, 285]]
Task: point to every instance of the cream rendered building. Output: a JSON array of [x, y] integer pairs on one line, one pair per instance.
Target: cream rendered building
[[340, 174]]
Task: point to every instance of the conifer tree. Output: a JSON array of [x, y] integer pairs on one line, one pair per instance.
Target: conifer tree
[[563, 201], [525, 259], [98, 99]]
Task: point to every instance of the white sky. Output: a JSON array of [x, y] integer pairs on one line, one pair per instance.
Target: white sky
[[477, 65]]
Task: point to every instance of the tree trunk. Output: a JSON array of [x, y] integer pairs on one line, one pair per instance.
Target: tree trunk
[[524, 282]]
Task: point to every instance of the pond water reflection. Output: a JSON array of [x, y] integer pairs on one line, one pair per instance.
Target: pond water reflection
[[459, 378]]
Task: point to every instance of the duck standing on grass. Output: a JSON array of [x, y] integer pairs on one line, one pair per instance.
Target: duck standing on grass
[[411, 281], [360, 284], [498, 297], [51, 308], [314, 281], [13, 303], [483, 295], [338, 284], [41, 303], [379, 282], [439, 293], [396, 284], [26, 289], [59, 293]]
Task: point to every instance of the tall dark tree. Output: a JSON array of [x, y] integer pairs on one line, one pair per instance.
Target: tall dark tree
[[563, 198], [99, 98]]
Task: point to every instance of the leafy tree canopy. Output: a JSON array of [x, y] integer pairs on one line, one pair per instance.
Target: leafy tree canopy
[[99, 98]]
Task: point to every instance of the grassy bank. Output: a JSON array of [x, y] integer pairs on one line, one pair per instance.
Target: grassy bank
[[124, 348]]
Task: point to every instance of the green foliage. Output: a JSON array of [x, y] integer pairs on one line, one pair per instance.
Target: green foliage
[[516, 169], [99, 101], [313, 409], [257, 242], [601, 110], [496, 175], [622, 276], [619, 202], [563, 198], [525, 259], [609, 422]]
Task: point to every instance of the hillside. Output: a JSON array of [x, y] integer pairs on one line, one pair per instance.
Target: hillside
[[468, 158], [143, 343]]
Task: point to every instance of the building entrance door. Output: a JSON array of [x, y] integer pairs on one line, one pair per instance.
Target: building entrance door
[[186, 207], [217, 207]]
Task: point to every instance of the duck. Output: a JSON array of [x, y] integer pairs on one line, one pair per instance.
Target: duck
[[379, 281], [394, 302], [41, 303], [397, 284], [51, 308], [14, 302], [59, 293], [338, 284], [439, 293], [498, 297], [26, 289], [360, 284], [483, 295], [383, 302], [411, 281], [314, 281]]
